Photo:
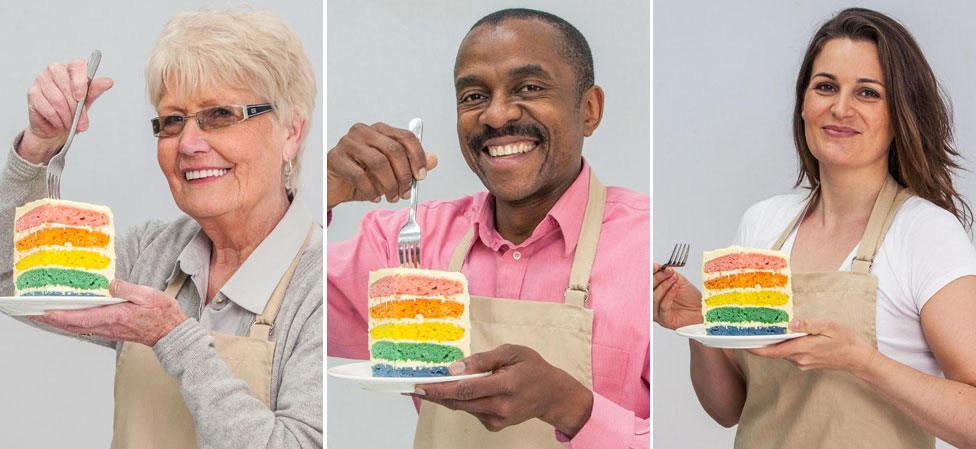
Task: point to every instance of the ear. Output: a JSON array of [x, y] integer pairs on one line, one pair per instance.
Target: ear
[[592, 108], [295, 136]]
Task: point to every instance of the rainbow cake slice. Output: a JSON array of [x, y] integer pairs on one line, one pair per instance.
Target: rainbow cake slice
[[747, 291], [63, 248], [418, 322]]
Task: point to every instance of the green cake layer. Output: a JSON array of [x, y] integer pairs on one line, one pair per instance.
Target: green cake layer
[[43, 277], [746, 314], [420, 352]]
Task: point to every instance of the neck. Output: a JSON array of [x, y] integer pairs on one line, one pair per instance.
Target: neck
[[516, 220], [848, 196], [235, 236]]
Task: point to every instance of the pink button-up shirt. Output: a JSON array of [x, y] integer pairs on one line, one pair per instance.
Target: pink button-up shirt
[[537, 269]]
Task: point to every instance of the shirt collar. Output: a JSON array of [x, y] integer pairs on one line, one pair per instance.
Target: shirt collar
[[252, 284], [566, 214]]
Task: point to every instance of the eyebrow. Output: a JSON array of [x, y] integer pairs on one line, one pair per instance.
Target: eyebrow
[[860, 80], [524, 71]]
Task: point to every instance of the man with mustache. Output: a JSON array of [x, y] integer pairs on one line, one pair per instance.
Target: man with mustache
[[579, 358]]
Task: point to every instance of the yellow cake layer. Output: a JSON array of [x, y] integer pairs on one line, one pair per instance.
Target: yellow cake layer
[[67, 259], [749, 298], [434, 331]]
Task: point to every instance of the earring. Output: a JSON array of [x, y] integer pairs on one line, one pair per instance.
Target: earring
[[289, 171]]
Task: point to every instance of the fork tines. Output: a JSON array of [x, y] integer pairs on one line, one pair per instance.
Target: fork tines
[[679, 256], [409, 255]]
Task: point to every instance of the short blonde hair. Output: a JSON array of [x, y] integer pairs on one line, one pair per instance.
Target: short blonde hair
[[255, 50]]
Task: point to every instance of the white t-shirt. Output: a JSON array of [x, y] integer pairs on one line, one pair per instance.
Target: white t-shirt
[[925, 249]]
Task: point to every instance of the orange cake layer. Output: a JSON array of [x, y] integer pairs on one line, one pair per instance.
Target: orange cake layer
[[748, 280], [411, 308], [76, 237]]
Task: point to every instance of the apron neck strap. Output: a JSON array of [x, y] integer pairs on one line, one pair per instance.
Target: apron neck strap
[[264, 322], [889, 200], [577, 293]]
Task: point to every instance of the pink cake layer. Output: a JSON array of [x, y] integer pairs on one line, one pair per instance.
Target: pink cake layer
[[738, 261], [61, 214], [414, 285]]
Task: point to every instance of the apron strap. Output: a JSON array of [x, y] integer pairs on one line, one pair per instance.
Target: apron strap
[[796, 221], [174, 286], [889, 200], [578, 292], [264, 322]]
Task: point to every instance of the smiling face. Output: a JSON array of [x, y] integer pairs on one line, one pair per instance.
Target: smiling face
[[222, 172], [845, 109], [521, 119]]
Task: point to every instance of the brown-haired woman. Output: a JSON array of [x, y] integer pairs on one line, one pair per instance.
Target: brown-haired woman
[[889, 359]]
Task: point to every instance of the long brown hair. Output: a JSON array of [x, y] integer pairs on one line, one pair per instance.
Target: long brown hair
[[922, 154]]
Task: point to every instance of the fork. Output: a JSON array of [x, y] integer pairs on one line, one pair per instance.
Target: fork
[[408, 242], [56, 165], [678, 259]]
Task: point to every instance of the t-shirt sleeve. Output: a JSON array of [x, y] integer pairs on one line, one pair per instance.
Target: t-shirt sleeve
[[751, 224], [937, 249]]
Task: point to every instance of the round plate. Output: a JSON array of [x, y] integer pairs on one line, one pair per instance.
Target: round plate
[[363, 375], [37, 305], [697, 332]]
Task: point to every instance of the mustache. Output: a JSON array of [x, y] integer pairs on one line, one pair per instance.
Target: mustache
[[477, 141]]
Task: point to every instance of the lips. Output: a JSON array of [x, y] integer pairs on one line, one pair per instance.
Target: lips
[[840, 131]]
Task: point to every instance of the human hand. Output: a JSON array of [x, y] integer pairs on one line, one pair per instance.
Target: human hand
[[51, 103], [522, 386], [371, 162], [829, 345], [148, 316], [677, 303]]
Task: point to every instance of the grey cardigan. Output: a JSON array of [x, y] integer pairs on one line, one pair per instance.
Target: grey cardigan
[[224, 412]]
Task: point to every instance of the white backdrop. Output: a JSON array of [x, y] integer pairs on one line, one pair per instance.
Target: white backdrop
[[391, 61], [723, 100], [57, 392]]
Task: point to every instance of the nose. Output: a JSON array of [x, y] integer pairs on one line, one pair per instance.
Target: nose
[[500, 111], [842, 105], [192, 139]]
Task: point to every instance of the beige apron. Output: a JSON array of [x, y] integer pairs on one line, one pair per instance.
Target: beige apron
[[149, 409], [561, 333], [789, 408]]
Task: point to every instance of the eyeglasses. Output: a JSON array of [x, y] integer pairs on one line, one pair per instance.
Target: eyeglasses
[[210, 118]]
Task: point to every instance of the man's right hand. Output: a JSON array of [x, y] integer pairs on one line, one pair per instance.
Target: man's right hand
[[677, 303], [371, 162], [51, 103]]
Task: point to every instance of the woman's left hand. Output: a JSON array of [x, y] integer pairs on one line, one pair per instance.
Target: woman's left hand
[[829, 345], [147, 317]]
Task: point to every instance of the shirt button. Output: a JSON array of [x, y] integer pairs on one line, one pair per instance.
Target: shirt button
[[219, 300], [516, 255]]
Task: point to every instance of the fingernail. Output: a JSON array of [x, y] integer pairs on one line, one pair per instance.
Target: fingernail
[[456, 368], [405, 195], [422, 174], [378, 199], [419, 391]]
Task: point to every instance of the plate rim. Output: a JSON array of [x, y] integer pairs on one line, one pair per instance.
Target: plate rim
[[397, 380], [697, 332]]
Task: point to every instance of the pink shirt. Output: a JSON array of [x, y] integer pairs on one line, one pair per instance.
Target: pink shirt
[[537, 269]]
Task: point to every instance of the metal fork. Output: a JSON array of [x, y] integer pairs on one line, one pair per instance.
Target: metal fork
[[56, 165], [679, 257], [408, 242]]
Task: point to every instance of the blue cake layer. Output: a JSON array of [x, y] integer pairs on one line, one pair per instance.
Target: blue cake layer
[[384, 370], [757, 330], [43, 293]]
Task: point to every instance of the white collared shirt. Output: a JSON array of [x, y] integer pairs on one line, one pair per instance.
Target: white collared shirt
[[247, 291]]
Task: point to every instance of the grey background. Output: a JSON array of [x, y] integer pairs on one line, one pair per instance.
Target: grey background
[[723, 101], [391, 61], [57, 392]]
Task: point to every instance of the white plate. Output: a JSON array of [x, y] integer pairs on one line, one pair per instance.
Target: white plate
[[37, 305], [697, 332], [363, 375]]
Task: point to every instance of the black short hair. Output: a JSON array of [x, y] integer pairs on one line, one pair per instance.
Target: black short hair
[[574, 47]]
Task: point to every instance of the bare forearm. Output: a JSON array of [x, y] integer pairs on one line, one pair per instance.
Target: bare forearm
[[718, 384], [943, 407]]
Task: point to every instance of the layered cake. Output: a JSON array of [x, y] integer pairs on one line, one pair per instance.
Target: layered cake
[[418, 321], [747, 291], [63, 248]]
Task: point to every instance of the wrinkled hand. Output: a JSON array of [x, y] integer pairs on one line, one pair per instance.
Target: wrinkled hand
[[374, 161], [677, 303], [522, 386], [148, 316], [51, 102], [830, 345]]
